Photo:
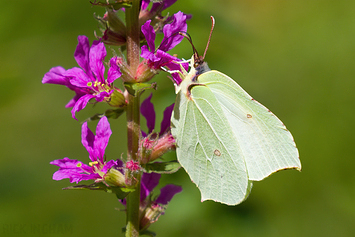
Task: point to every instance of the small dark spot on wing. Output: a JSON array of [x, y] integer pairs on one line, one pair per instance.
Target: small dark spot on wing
[[217, 152]]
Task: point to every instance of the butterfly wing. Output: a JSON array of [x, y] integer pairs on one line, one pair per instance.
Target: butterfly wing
[[207, 148], [265, 144]]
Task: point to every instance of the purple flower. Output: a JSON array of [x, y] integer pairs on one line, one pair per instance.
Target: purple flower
[[155, 145], [153, 209], [77, 171], [158, 58], [147, 110], [87, 82], [157, 6]]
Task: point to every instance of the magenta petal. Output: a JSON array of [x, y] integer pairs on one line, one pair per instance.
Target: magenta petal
[[55, 76], [164, 59], [103, 133], [97, 56], [80, 104], [114, 71], [149, 182], [88, 140], [72, 102], [109, 165], [81, 54], [147, 110], [171, 32], [167, 193], [78, 78], [145, 53], [165, 123], [165, 3], [69, 169], [149, 34], [145, 4], [102, 95]]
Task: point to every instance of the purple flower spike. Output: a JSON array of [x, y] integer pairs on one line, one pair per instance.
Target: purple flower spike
[[75, 170], [88, 81]]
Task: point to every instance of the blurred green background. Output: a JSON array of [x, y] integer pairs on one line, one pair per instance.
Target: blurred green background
[[295, 57]]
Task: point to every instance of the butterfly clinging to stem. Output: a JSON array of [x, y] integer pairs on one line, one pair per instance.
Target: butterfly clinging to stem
[[225, 139]]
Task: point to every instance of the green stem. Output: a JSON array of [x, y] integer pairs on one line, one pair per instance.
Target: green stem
[[133, 32], [133, 122]]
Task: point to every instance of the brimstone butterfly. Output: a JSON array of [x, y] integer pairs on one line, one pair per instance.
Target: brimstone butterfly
[[224, 138]]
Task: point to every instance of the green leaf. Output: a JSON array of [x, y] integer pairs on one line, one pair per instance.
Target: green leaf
[[136, 89], [162, 167], [121, 192], [110, 113], [226, 139]]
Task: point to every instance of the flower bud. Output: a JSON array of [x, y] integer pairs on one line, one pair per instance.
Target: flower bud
[[146, 149], [115, 178], [117, 99], [127, 75], [145, 72], [151, 215], [115, 32], [163, 145]]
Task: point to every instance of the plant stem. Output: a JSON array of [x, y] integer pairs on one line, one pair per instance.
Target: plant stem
[[133, 122], [133, 32]]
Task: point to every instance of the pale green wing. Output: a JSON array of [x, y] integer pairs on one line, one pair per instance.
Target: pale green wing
[[264, 142], [207, 148]]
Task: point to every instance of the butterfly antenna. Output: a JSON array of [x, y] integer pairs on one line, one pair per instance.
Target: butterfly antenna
[[209, 38], [188, 37]]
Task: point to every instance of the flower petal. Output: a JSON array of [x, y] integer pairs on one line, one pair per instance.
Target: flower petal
[[103, 133], [171, 32], [72, 102], [167, 193], [114, 71], [74, 170], [81, 54], [147, 110], [165, 3], [149, 34], [55, 76], [109, 165], [97, 56], [145, 4], [80, 104], [149, 182], [78, 78], [88, 140], [165, 123]]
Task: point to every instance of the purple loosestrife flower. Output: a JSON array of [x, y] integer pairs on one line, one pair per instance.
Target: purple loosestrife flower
[[77, 171], [152, 208], [158, 58], [155, 145], [88, 82]]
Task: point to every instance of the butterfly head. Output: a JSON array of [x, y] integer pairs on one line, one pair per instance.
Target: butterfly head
[[198, 65]]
